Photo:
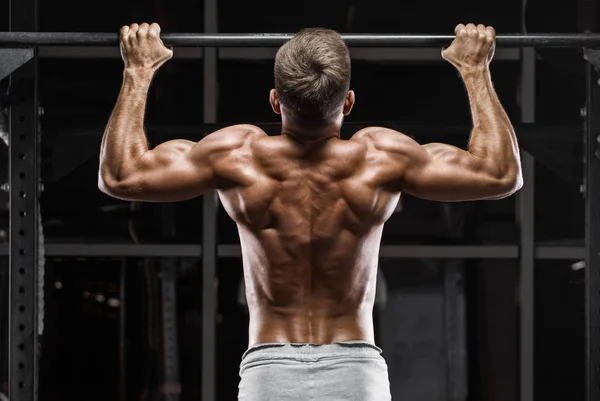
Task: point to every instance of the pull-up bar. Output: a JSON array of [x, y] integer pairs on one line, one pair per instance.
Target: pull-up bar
[[29, 39]]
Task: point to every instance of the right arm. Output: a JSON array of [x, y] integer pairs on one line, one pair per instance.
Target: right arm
[[490, 168], [175, 170]]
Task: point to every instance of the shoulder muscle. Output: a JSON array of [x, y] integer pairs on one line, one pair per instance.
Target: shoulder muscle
[[390, 153], [228, 153], [387, 140], [228, 139]]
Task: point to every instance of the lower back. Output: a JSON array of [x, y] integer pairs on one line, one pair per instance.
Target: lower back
[[324, 293], [301, 328]]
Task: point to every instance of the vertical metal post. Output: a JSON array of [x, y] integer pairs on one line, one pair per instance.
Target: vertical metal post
[[209, 213], [123, 331], [526, 205], [455, 330], [172, 386], [23, 156], [592, 203], [588, 22]]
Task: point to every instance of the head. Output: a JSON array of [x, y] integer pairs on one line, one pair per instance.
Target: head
[[312, 78]]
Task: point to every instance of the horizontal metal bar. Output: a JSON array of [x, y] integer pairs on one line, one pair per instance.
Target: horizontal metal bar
[[133, 250], [252, 54], [99, 52], [560, 252], [450, 252], [229, 251], [406, 54], [454, 252], [387, 251], [26, 39]]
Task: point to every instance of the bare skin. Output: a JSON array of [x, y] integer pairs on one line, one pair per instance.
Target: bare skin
[[309, 207]]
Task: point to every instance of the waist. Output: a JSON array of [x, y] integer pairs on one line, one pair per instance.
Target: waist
[[309, 328], [311, 352]]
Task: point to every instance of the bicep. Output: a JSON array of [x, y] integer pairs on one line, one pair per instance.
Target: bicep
[[172, 171], [446, 173]]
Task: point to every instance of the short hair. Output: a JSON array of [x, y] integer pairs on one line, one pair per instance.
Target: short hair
[[312, 75]]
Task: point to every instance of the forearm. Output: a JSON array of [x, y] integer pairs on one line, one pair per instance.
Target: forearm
[[493, 138], [124, 140]]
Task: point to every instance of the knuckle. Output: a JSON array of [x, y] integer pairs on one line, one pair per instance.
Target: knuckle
[[155, 29]]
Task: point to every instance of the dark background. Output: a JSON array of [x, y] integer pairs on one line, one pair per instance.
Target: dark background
[[81, 343]]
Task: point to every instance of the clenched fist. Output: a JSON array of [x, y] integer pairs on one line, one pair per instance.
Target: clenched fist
[[142, 48], [473, 47]]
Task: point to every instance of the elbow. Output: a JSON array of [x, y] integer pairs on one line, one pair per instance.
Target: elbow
[[116, 188], [514, 178], [508, 185], [518, 182], [107, 184], [504, 179], [513, 184]]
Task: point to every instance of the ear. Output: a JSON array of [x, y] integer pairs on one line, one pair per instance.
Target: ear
[[349, 103], [274, 101]]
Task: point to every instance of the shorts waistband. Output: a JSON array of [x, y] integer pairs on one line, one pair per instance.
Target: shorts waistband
[[310, 352]]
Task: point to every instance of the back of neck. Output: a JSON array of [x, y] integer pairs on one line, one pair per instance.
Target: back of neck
[[309, 135]]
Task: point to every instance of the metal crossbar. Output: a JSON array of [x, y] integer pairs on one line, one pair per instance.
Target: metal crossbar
[[27, 39]]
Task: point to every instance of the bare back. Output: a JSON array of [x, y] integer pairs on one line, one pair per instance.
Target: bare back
[[310, 225]]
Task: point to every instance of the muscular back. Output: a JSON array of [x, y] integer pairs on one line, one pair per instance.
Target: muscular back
[[310, 218], [310, 223], [310, 215]]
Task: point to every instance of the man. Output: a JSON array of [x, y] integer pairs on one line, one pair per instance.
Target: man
[[309, 206]]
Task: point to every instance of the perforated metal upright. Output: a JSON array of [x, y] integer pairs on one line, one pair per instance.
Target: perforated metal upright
[[23, 161], [592, 207], [588, 22]]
